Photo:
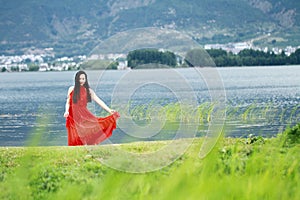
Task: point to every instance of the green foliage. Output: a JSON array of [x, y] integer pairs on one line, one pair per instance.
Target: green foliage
[[113, 65], [250, 57], [97, 64], [48, 180], [235, 169], [15, 68], [198, 58], [251, 139], [34, 68], [295, 57], [291, 136], [172, 113], [150, 56]]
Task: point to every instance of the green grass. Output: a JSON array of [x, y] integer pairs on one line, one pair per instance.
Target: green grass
[[249, 168], [253, 167]]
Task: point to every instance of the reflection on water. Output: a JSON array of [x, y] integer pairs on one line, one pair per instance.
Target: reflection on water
[[260, 100]]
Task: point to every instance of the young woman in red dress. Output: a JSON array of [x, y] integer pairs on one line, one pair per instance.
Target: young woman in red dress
[[83, 127]]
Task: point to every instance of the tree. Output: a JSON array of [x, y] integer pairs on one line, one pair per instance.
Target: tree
[[198, 58], [34, 68], [14, 68], [295, 57], [150, 56], [216, 53], [113, 65]]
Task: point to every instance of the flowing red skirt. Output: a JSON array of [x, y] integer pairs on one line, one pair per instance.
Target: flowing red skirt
[[86, 129]]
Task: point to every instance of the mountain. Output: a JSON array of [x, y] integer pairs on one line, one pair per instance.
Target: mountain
[[76, 26]]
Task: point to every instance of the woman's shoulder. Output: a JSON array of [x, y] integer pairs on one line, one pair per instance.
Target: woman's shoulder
[[71, 88], [91, 91]]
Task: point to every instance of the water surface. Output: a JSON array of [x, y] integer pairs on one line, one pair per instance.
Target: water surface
[[34, 101]]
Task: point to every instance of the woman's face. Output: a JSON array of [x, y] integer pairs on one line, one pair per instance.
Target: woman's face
[[82, 79]]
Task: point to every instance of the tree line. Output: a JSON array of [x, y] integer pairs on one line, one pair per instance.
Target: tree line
[[217, 57], [154, 56], [251, 57]]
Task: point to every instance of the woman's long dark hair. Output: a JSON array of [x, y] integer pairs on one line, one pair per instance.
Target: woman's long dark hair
[[76, 93]]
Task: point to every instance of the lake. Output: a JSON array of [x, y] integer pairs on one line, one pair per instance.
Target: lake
[[260, 100]]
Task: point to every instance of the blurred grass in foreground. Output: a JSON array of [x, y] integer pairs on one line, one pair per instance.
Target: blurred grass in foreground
[[243, 114], [237, 168], [240, 168]]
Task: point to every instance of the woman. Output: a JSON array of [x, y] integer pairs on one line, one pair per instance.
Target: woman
[[83, 127]]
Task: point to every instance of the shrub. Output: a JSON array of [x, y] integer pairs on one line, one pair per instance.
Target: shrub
[[291, 136]]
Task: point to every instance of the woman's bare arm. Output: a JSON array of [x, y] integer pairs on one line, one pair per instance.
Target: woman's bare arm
[[67, 106], [100, 102]]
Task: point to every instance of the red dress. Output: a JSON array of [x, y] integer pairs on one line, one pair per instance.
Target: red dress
[[83, 127]]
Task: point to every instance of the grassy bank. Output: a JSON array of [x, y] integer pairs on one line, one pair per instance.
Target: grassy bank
[[247, 168]]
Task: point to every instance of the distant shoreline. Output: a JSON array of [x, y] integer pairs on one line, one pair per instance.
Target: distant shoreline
[[128, 69]]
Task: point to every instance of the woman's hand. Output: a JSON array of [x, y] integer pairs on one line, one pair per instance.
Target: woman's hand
[[66, 114], [115, 113], [112, 111]]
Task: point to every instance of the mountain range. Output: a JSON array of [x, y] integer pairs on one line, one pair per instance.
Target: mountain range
[[73, 27]]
